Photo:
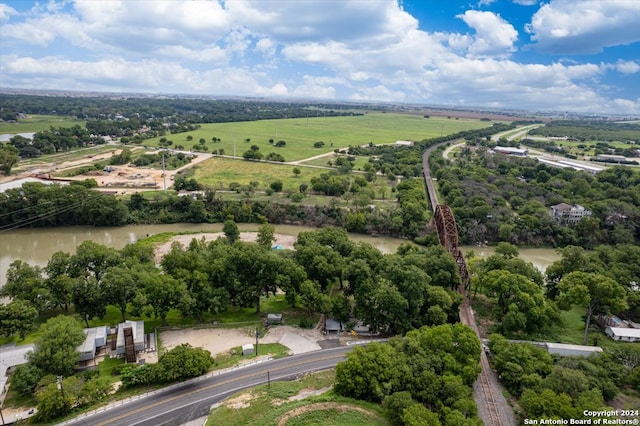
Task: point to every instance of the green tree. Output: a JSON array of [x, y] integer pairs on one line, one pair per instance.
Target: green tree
[[418, 415], [231, 231], [9, 156], [395, 404], [313, 299], [183, 362], [297, 171], [25, 282], [17, 317], [88, 298], [276, 185], [24, 378], [162, 292], [266, 235], [120, 287], [597, 292], [371, 373], [55, 351]]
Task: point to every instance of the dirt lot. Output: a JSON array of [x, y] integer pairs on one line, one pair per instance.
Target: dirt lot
[[222, 340]]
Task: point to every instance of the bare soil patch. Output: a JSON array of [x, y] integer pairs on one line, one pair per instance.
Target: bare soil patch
[[222, 340]]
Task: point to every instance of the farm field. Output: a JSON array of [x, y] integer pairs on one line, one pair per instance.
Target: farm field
[[37, 123], [336, 132]]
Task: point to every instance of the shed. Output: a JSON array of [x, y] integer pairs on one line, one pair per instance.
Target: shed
[[88, 348], [572, 350], [137, 328], [332, 325], [623, 334], [247, 349], [274, 318]]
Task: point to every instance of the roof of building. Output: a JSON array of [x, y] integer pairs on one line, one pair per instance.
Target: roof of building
[[89, 344], [625, 332], [511, 149], [575, 348], [247, 346], [562, 206]]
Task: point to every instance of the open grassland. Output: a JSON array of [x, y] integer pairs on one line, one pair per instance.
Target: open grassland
[[218, 173], [306, 401], [37, 123], [336, 132]]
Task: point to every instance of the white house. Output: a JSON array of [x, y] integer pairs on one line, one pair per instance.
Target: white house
[[566, 214], [623, 334]]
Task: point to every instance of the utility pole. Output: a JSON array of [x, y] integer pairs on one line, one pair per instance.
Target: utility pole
[[234, 145], [1, 416], [268, 379], [164, 174], [257, 334]]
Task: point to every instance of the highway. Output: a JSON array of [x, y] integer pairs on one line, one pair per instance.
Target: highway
[[181, 403]]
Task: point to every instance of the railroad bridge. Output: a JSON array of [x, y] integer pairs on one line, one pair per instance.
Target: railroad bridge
[[445, 224]]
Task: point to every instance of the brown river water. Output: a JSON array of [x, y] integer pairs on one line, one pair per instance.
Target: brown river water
[[36, 245]]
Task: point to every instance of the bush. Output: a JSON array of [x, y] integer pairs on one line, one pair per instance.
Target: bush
[[305, 323], [297, 197], [276, 185]]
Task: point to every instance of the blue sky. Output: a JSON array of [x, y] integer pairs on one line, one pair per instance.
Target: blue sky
[[553, 55]]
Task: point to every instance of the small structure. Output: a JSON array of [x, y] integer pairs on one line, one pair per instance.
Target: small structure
[[623, 334], [572, 350], [508, 150], [332, 326], [566, 214], [137, 333], [403, 143], [247, 349], [88, 348], [274, 319]]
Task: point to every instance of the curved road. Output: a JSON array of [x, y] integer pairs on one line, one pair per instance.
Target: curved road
[[183, 402]]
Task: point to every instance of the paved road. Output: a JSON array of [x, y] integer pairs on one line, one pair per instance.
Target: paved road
[[181, 403]]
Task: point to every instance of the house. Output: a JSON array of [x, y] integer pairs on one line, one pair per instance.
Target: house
[[565, 214], [623, 334], [94, 338], [137, 329], [403, 143], [572, 350]]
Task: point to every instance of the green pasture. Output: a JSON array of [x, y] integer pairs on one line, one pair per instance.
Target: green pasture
[[218, 173], [37, 123], [336, 132]]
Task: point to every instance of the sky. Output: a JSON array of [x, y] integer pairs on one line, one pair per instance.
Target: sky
[[553, 55]]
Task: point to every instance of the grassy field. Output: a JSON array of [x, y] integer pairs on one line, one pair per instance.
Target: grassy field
[[37, 123], [337, 132], [268, 405]]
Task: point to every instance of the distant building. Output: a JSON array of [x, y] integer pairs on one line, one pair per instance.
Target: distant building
[[404, 143], [566, 214], [572, 350], [623, 334], [610, 157], [519, 152]]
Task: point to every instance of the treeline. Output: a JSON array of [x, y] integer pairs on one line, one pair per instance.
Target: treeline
[[567, 387], [503, 198], [590, 130], [54, 140], [185, 110], [391, 293]]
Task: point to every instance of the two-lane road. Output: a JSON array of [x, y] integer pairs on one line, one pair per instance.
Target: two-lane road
[[184, 402]]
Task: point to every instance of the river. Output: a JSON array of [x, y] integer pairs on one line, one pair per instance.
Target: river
[[36, 245]]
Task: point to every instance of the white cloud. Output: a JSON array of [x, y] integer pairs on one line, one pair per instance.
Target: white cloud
[[6, 12], [526, 2], [361, 50], [627, 67], [585, 26], [494, 36]]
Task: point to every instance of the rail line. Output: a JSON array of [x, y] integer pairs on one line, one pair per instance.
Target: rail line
[[447, 229]]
